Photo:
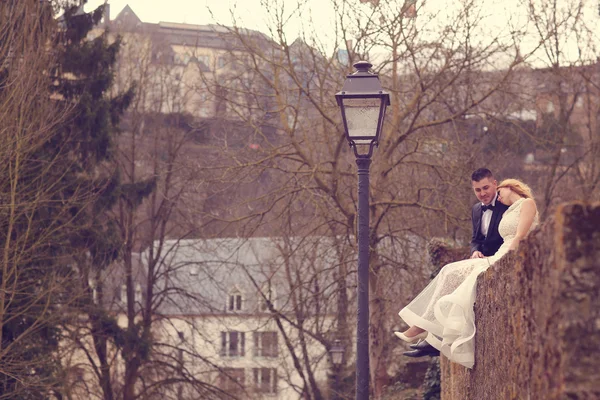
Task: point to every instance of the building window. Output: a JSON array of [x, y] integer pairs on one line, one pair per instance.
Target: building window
[[235, 301], [180, 360], [232, 380], [265, 344], [123, 294], [138, 293], [93, 286], [409, 9], [266, 296], [205, 59], [181, 59], [436, 147], [78, 376], [265, 380], [221, 62], [233, 344]]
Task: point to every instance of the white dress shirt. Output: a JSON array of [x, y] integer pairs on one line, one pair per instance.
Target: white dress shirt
[[486, 217]]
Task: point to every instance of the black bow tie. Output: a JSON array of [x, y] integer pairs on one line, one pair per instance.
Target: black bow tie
[[488, 207]]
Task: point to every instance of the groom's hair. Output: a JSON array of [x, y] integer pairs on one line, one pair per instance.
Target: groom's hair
[[480, 174]]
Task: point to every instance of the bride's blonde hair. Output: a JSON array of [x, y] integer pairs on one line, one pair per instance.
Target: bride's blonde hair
[[518, 187]]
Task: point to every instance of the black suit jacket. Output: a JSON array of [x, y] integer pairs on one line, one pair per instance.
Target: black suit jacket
[[489, 244]]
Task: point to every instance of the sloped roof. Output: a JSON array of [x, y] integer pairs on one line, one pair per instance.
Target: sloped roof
[[196, 276], [209, 36], [205, 272], [127, 17]]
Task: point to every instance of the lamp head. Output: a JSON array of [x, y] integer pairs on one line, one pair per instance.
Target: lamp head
[[363, 103]]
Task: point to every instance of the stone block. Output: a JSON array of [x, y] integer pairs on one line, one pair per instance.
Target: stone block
[[538, 317]]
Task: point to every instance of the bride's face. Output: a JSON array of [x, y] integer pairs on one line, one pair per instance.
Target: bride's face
[[504, 195]]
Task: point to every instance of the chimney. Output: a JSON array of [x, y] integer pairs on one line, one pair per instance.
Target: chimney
[[106, 17]]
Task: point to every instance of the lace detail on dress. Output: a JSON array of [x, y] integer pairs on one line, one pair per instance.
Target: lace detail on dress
[[450, 277], [510, 220], [508, 226]]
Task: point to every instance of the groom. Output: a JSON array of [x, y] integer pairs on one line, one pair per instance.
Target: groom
[[485, 215], [485, 241]]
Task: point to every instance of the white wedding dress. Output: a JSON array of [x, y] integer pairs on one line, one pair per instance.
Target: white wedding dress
[[445, 307]]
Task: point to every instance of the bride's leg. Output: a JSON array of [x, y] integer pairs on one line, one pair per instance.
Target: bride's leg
[[449, 278], [413, 331], [420, 311], [412, 334]]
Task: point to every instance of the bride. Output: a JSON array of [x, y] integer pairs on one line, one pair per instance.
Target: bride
[[442, 313]]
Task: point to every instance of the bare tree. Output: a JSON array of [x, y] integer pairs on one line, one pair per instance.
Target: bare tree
[[36, 215], [566, 97], [437, 74], [148, 350], [270, 161]]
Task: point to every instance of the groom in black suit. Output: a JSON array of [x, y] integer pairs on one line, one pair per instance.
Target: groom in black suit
[[485, 215], [485, 241]]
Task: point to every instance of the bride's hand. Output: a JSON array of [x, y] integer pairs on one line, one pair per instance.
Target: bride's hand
[[477, 254]]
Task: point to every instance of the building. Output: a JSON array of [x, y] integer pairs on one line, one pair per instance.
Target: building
[[251, 317], [187, 68], [197, 81]]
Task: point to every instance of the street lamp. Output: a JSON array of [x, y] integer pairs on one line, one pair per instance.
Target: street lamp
[[363, 102], [337, 358], [337, 353]]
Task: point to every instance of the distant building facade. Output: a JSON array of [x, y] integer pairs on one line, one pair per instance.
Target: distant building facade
[[227, 314], [184, 68]]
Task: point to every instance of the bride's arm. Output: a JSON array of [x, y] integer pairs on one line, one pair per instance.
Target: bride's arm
[[528, 210]]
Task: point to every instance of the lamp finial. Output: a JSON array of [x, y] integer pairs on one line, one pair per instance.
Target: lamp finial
[[362, 66]]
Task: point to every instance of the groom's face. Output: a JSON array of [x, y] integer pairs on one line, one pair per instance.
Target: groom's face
[[485, 190]]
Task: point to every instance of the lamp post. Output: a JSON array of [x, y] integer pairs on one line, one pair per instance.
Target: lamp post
[[363, 102], [337, 358]]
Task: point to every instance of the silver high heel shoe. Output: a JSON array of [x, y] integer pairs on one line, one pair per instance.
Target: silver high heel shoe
[[411, 339]]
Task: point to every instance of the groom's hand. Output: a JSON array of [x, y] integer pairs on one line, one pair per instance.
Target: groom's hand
[[477, 254]]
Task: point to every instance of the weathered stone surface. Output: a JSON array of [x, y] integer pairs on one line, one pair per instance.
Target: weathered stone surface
[[538, 317], [442, 253]]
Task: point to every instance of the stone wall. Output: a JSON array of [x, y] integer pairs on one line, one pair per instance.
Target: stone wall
[[538, 317]]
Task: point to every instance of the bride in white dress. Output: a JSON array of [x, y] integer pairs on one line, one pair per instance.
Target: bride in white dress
[[442, 313]]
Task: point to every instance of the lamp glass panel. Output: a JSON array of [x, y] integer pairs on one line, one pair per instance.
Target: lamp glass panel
[[362, 117], [337, 354], [336, 357]]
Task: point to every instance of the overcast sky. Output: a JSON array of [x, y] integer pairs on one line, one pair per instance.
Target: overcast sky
[[251, 14], [187, 11]]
